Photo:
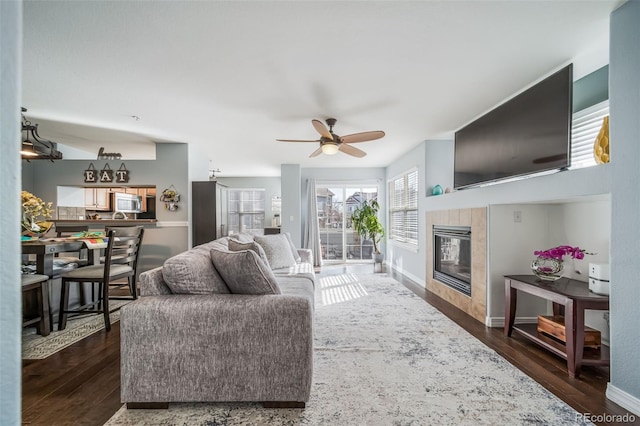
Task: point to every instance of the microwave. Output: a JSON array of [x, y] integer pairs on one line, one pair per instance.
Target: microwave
[[126, 203]]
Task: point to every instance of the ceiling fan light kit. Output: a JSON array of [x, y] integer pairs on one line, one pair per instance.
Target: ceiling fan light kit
[[330, 143], [330, 148]]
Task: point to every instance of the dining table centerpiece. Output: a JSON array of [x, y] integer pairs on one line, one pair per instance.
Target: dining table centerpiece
[[549, 264], [36, 215]]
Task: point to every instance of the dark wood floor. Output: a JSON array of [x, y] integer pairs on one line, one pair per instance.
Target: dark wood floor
[[80, 385]]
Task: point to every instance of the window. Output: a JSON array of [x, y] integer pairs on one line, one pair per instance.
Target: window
[[403, 208], [336, 203], [585, 127], [245, 210]]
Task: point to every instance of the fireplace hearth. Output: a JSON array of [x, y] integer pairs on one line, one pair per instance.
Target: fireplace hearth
[[461, 258]]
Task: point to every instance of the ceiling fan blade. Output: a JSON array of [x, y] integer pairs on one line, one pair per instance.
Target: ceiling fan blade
[[296, 140], [316, 152], [362, 137], [321, 128], [348, 149]]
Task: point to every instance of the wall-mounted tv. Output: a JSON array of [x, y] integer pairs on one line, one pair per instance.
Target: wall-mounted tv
[[529, 133]]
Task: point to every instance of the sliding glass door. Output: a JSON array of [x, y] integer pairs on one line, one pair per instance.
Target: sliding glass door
[[336, 203]]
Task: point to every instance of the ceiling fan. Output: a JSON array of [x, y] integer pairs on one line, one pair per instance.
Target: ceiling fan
[[330, 143]]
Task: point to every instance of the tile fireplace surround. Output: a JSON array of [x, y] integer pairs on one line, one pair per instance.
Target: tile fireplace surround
[[476, 218]]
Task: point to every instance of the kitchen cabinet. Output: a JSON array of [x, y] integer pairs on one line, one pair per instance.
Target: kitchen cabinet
[[98, 199], [209, 215], [146, 193]]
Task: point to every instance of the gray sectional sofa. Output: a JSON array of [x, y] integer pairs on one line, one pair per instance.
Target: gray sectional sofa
[[196, 335]]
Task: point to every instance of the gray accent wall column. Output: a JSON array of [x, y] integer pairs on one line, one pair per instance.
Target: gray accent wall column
[[624, 104], [10, 184], [290, 176]]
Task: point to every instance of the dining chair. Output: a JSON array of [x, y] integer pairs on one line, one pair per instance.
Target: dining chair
[[82, 259], [120, 261], [127, 233]]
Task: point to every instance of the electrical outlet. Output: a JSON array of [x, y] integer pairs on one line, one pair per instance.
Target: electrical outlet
[[517, 216]]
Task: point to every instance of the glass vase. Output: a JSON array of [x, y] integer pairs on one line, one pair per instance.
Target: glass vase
[[547, 269]]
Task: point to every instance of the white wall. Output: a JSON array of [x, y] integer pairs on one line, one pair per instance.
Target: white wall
[[410, 261], [511, 245], [624, 102], [292, 202], [10, 184], [585, 224]]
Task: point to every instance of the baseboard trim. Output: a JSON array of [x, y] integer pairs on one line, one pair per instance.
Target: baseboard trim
[[623, 399], [419, 281]]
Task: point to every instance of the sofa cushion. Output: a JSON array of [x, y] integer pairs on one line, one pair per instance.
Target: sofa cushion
[[244, 272], [294, 250], [257, 248], [243, 237], [296, 286], [192, 272], [300, 270], [278, 250]]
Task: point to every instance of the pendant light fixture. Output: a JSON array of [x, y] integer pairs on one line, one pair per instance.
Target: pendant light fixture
[[34, 146]]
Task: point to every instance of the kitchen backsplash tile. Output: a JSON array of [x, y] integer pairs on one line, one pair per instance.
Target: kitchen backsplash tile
[[71, 212]]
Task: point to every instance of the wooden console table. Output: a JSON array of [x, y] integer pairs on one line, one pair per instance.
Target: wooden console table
[[570, 298]]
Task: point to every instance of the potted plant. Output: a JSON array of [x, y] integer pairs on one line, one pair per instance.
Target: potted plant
[[367, 225]]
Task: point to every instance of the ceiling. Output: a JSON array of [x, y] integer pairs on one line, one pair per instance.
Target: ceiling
[[232, 77]]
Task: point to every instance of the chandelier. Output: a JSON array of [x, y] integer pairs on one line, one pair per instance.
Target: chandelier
[[34, 146]]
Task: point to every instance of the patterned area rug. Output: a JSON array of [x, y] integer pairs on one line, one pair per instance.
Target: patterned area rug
[[383, 356], [35, 346]]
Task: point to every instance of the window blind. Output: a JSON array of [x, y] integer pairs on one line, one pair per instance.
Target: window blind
[[245, 210], [403, 208], [585, 127]]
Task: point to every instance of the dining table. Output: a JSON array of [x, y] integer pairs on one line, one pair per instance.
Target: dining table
[[45, 250]]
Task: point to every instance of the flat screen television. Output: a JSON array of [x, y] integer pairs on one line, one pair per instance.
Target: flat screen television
[[527, 134]]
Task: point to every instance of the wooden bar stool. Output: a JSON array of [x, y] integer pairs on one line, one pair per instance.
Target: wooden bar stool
[[39, 283]]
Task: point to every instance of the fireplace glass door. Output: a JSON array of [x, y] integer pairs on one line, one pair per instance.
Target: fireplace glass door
[[452, 257]]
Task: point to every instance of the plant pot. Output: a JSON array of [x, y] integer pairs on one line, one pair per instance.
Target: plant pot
[[378, 257]]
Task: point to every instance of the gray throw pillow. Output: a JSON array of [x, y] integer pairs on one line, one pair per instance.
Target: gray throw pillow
[[193, 273], [278, 250], [244, 272], [294, 250], [257, 248]]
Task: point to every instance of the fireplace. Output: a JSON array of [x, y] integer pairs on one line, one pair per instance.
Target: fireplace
[[452, 257]]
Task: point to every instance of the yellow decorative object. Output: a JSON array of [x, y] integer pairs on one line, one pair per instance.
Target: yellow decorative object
[[35, 214], [601, 146]]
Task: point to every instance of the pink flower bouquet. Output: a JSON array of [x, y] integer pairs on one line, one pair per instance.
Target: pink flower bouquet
[[560, 252]]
